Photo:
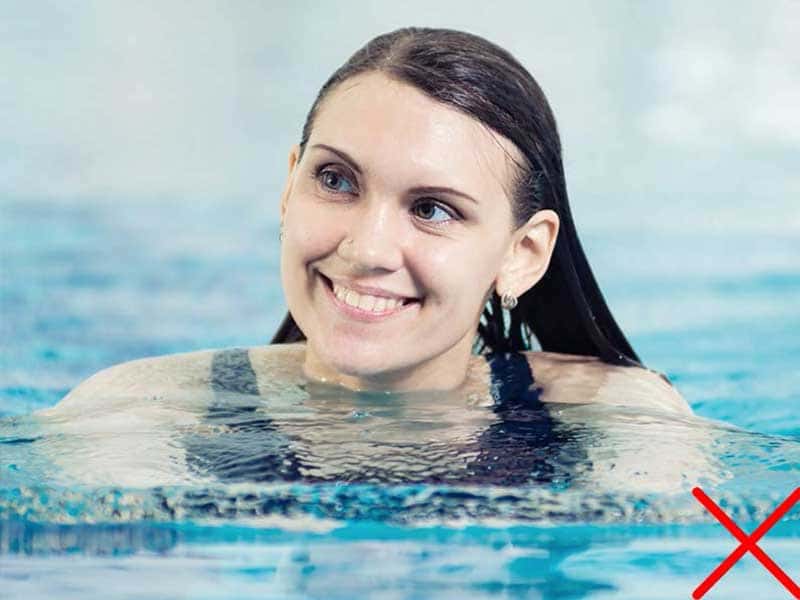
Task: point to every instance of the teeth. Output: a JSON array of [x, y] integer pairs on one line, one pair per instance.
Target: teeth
[[351, 298], [365, 302]]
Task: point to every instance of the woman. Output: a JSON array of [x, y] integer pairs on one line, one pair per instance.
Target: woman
[[426, 108], [426, 240]]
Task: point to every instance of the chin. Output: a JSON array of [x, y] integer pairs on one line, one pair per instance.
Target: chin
[[363, 361], [360, 366]]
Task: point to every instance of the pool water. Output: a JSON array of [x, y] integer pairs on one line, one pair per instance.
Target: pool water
[[201, 498]]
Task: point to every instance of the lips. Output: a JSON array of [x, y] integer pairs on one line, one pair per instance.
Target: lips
[[368, 302], [365, 306]]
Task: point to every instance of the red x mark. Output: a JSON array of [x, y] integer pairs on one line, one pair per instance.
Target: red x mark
[[747, 543]]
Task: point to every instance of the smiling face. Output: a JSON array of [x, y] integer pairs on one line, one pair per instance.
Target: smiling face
[[397, 223]]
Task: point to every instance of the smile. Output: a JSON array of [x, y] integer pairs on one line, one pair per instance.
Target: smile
[[366, 307]]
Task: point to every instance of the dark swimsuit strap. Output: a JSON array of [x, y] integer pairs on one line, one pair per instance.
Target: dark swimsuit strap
[[232, 371], [520, 448], [253, 449], [511, 377]]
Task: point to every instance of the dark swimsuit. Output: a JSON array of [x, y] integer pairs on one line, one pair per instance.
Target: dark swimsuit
[[519, 448]]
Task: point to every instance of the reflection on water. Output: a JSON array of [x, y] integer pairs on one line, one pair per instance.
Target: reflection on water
[[213, 482], [330, 435], [232, 448]]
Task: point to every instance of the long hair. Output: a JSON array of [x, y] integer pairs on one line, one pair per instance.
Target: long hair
[[565, 311]]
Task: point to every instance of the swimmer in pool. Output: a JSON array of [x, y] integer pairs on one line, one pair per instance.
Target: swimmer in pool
[[428, 190], [425, 237]]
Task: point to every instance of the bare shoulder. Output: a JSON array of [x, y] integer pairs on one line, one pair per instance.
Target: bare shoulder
[[160, 375], [574, 379], [141, 377], [276, 355]]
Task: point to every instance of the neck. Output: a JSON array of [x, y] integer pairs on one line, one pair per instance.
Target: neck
[[448, 371]]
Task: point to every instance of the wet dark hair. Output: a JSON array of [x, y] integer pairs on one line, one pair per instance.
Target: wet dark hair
[[565, 310]]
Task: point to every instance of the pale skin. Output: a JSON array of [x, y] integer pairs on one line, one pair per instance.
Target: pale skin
[[402, 195], [366, 230]]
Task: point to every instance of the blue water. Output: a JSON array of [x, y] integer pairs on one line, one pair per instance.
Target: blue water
[[84, 288]]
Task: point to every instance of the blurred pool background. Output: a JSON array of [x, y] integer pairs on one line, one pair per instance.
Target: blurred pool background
[[142, 151]]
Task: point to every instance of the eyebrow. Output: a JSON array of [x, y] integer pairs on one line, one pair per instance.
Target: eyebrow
[[425, 189]]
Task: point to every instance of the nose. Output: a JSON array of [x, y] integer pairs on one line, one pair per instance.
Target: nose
[[372, 239]]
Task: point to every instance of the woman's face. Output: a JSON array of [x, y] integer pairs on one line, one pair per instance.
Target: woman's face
[[384, 270]]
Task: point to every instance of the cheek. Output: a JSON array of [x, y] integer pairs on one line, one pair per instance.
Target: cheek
[[458, 275], [307, 238], [309, 233]]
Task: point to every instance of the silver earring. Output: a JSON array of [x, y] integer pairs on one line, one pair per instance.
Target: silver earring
[[508, 301], [280, 234]]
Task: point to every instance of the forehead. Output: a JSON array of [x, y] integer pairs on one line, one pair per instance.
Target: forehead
[[397, 133]]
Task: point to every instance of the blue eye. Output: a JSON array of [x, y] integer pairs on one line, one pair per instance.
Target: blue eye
[[432, 211], [333, 180]]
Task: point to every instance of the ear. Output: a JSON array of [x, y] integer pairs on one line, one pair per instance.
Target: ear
[[294, 157], [528, 256]]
